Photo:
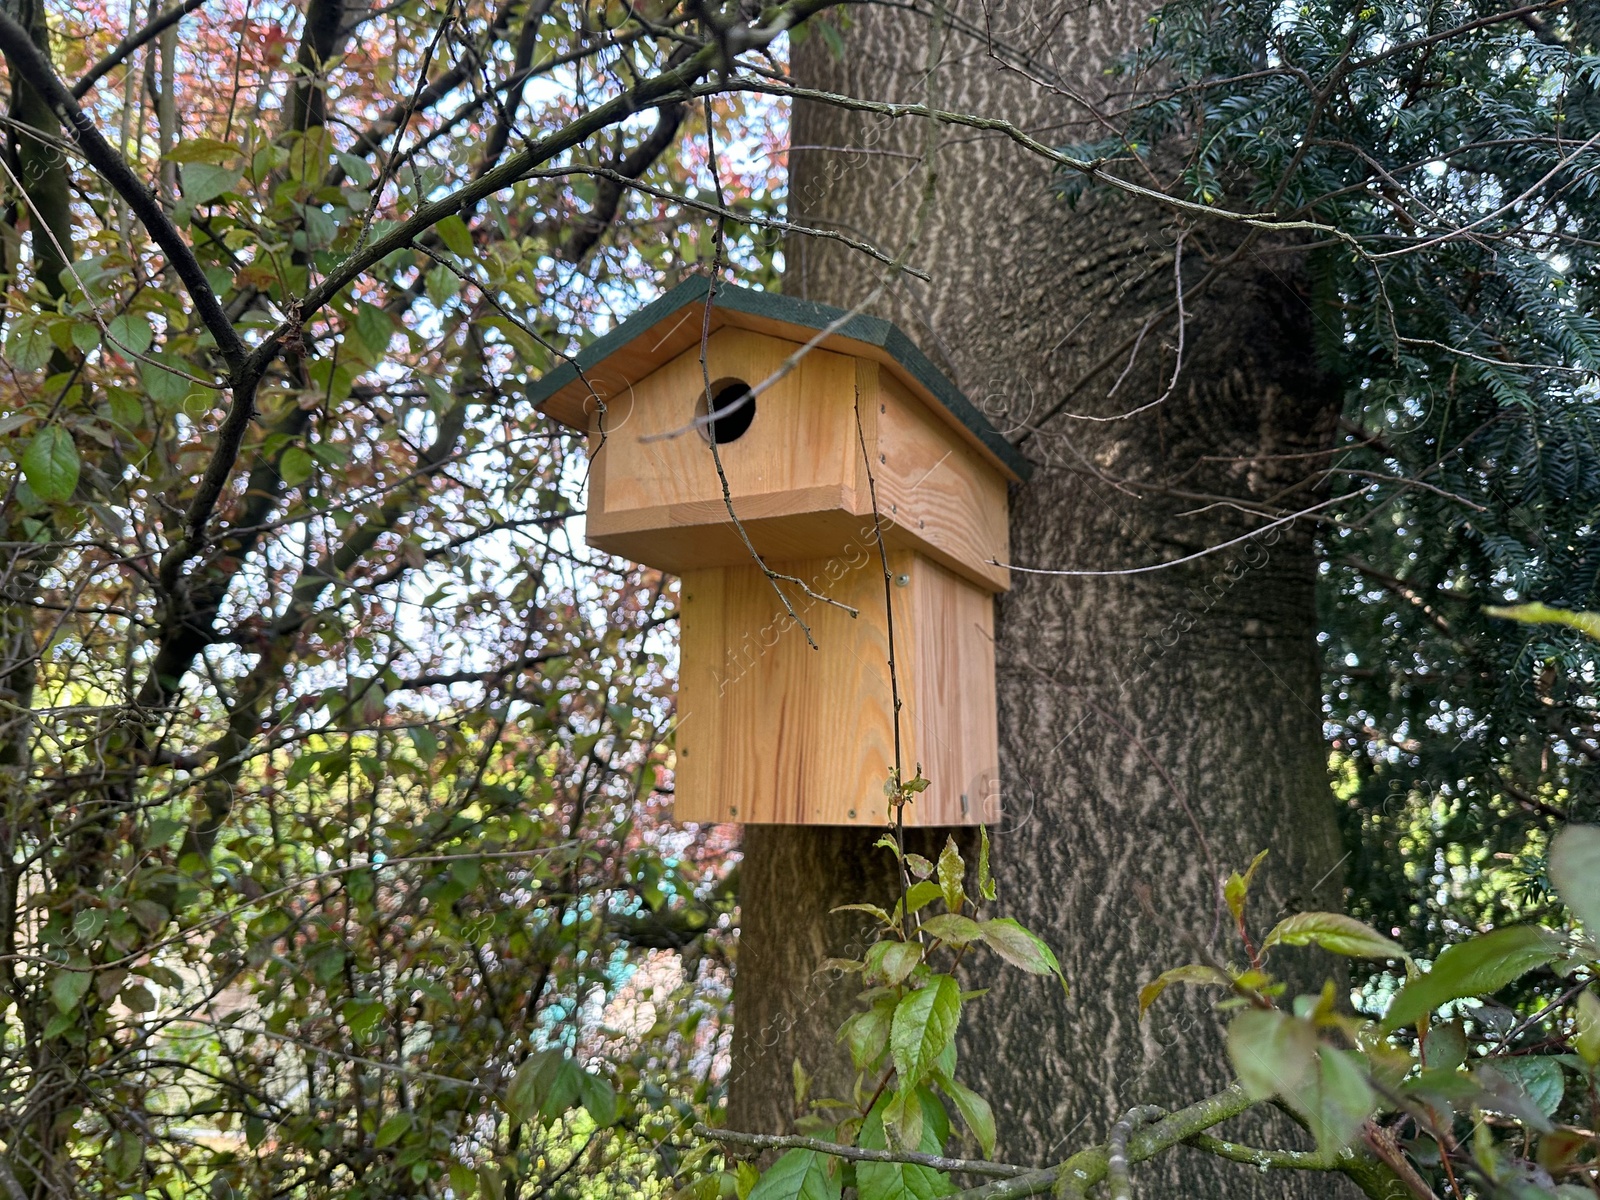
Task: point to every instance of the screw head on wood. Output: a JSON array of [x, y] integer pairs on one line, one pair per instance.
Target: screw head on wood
[[902, 580]]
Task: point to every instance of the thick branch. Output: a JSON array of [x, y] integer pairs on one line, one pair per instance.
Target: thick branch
[[29, 62], [1086, 1168]]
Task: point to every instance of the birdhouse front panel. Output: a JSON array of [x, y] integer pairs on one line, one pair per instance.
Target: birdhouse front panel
[[793, 470], [774, 730], [831, 430]]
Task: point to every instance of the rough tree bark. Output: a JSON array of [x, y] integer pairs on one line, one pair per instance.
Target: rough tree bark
[[1156, 728]]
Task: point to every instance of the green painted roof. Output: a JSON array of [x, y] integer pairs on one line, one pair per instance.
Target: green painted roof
[[806, 314]]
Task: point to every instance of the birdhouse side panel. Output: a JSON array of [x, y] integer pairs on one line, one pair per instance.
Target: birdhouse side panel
[[950, 684], [938, 492]]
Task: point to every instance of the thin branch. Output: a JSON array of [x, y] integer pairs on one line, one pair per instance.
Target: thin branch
[[774, 1141], [1121, 1187], [668, 87], [1092, 169], [30, 63], [1162, 566], [129, 44], [1074, 1177]]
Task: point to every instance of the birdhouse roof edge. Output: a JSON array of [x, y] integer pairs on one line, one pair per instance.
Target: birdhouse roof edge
[[738, 301]]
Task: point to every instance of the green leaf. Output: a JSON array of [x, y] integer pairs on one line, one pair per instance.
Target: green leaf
[[203, 150], [953, 928], [924, 1024], [1273, 1053], [1445, 1046], [598, 1098], [374, 327], [126, 410], [1587, 1042], [1538, 1077], [150, 914], [1575, 870], [424, 742], [1336, 932], [952, 871], [28, 345], [871, 909], [986, 887], [85, 336], [891, 962], [124, 1154], [50, 464], [1336, 1099], [974, 1110], [392, 1130], [799, 1175], [362, 1015], [130, 333], [1020, 947], [454, 234], [358, 170], [546, 1085], [904, 1181], [441, 284], [1237, 888], [1477, 967], [918, 897], [87, 923], [1193, 973], [1587, 623], [295, 466], [203, 181], [867, 1035], [68, 989], [164, 382], [463, 1181]]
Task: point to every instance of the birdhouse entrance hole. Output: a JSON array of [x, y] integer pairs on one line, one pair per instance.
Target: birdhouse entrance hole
[[732, 410]]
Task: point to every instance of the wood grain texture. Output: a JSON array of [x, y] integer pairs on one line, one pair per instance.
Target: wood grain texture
[[774, 731], [802, 437], [798, 476], [950, 721], [650, 342], [938, 492]]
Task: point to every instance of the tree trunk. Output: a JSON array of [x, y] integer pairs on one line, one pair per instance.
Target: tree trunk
[[1157, 729]]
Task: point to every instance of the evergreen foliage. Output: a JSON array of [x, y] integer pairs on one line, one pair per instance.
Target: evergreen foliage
[[1446, 154]]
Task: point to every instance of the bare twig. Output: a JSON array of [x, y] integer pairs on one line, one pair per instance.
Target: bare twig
[[119, 53], [774, 1141], [1121, 1188]]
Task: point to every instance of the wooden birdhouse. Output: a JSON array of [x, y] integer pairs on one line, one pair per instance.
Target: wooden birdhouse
[[771, 729]]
